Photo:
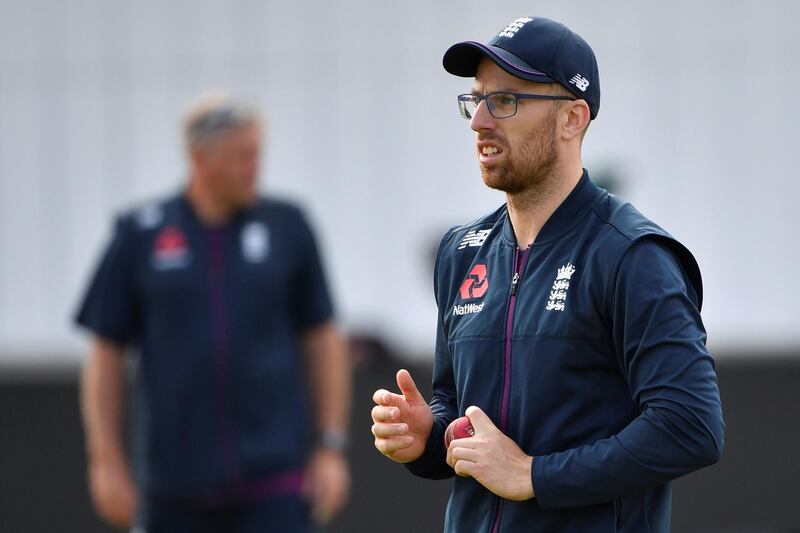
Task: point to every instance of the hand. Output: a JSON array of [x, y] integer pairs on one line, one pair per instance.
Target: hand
[[327, 484], [112, 491], [402, 422], [492, 459]]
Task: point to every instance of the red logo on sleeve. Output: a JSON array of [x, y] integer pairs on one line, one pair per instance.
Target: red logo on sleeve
[[476, 284]]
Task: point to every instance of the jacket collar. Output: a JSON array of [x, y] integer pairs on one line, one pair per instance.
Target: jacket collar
[[565, 216], [234, 221]]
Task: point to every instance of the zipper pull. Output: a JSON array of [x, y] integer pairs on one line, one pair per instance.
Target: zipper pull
[[514, 282]]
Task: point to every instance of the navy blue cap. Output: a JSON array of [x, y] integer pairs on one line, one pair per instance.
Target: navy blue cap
[[534, 49]]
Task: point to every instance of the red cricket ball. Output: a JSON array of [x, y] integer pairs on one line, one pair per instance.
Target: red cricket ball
[[460, 428]]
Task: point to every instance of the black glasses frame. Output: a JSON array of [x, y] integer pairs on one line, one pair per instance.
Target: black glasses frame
[[464, 99]]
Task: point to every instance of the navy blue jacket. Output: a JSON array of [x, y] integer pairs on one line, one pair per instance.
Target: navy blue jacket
[[217, 315], [587, 349]]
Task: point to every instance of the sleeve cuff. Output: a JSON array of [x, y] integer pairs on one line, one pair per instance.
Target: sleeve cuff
[[431, 464], [539, 481], [101, 330]]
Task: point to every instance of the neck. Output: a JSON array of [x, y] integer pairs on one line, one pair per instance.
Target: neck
[[530, 209], [209, 209]]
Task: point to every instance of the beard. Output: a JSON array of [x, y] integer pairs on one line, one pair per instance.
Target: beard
[[532, 165]]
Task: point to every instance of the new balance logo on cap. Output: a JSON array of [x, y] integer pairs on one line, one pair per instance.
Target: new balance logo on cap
[[580, 82], [512, 29]]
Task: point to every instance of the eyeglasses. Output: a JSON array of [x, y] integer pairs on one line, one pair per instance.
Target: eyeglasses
[[501, 105]]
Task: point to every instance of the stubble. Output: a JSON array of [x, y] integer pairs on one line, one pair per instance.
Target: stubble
[[532, 166]]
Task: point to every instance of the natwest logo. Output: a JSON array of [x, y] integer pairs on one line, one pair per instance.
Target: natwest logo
[[467, 309], [476, 284]]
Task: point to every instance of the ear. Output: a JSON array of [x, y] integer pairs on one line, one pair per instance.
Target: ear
[[576, 120]]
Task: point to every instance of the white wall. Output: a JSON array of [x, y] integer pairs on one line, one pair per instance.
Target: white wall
[[698, 118]]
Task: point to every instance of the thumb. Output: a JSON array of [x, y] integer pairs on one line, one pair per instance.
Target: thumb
[[409, 388], [480, 420]]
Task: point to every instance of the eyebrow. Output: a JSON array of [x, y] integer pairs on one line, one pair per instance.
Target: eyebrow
[[475, 91]]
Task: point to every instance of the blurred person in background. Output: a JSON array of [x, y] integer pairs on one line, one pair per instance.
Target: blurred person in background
[[569, 327], [222, 294]]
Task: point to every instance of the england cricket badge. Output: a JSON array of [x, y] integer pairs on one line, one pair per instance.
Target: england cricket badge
[[255, 242], [558, 294]]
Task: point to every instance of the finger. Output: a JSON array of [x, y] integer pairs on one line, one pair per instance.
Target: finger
[[409, 388], [384, 397], [120, 516], [389, 430], [465, 468], [461, 449], [392, 444], [337, 504], [466, 442], [468, 454], [323, 515], [385, 414], [333, 501], [480, 420], [332, 504], [312, 491], [319, 514], [340, 493], [105, 510], [118, 507], [321, 510]]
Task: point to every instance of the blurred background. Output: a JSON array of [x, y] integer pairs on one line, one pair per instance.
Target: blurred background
[[697, 127]]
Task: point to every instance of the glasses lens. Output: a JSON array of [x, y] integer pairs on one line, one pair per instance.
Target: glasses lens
[[467, 104], [502, 105]]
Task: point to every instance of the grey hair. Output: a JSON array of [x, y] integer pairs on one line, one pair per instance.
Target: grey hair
[[214, 113]]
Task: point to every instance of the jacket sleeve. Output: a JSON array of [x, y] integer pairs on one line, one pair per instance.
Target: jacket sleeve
[[312, 303], [432, 464], [110, 306], [659, 341]]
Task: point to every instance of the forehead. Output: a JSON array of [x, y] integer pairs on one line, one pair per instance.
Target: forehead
[[235, 137], [490, 77]]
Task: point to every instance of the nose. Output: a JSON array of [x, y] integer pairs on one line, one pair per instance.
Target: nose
[[482, 120]]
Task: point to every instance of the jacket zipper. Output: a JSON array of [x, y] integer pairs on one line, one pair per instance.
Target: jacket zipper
[[222, 356], [519, 268]]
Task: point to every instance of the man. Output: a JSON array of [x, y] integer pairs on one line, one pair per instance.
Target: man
[[569, 327], [223, 295]]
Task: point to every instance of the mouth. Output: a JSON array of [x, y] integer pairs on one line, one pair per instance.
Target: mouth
[[488, 152]]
